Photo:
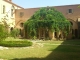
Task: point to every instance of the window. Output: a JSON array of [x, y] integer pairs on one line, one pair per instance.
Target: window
[[21, 14], [3, 9], [12, 11], [70, 11]]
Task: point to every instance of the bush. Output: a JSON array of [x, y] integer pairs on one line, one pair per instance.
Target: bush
[[15, 43], [14, 33], [3, 32]]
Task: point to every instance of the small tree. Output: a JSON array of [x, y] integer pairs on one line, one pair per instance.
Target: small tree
[[3, 32], [47, 18]]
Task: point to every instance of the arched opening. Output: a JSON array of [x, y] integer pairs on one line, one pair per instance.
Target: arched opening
[[71, 23], [74, 30], [55, 34], [76, 33], [21, 24], [41, 33], [21, 32], [79, 29], [11, 28]]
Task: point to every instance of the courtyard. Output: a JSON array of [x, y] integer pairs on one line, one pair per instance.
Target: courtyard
[[43, 50]]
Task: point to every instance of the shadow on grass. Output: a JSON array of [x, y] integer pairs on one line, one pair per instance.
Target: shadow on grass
[[69, 50]]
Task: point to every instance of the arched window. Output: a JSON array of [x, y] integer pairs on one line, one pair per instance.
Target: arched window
[[4, 9], [12, 10]]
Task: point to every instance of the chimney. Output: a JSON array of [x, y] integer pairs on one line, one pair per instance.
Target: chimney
[[9, 0]]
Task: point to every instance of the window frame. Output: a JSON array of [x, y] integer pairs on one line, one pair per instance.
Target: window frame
[[21, 14], [12, 10], [4, 9], [70, 11]]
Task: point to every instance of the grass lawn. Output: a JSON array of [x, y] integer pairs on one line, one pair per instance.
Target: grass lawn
[[51, 50]]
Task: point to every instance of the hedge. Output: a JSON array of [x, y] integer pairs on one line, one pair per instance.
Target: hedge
[[15, 43]]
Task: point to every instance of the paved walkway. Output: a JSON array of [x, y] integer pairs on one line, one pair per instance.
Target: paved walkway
[[2, 48], [61, 44]]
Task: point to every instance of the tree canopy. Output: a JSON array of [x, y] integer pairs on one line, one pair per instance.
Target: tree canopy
[[47, 18]]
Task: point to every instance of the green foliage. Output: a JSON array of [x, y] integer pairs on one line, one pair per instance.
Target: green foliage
[[15, 43], [14, 33], [3, 32], [47, 18]]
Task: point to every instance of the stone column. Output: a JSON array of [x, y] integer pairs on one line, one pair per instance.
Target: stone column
[[53, 35]]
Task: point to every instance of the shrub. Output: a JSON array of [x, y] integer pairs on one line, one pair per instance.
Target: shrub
[[14, 33], [15, 43], [3, 32]]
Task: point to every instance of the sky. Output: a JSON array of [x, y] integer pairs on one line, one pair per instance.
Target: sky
[[44, 3]]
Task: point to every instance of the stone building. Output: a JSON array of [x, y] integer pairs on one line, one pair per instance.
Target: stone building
[[7, 12], [71, 12], [16, 16]]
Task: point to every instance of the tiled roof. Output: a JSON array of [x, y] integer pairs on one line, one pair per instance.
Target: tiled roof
[[13, 4]]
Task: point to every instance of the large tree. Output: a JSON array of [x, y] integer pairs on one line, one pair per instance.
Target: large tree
[[47, 18]]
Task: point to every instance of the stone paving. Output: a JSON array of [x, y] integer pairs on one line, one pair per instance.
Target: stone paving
[[2, 48]]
